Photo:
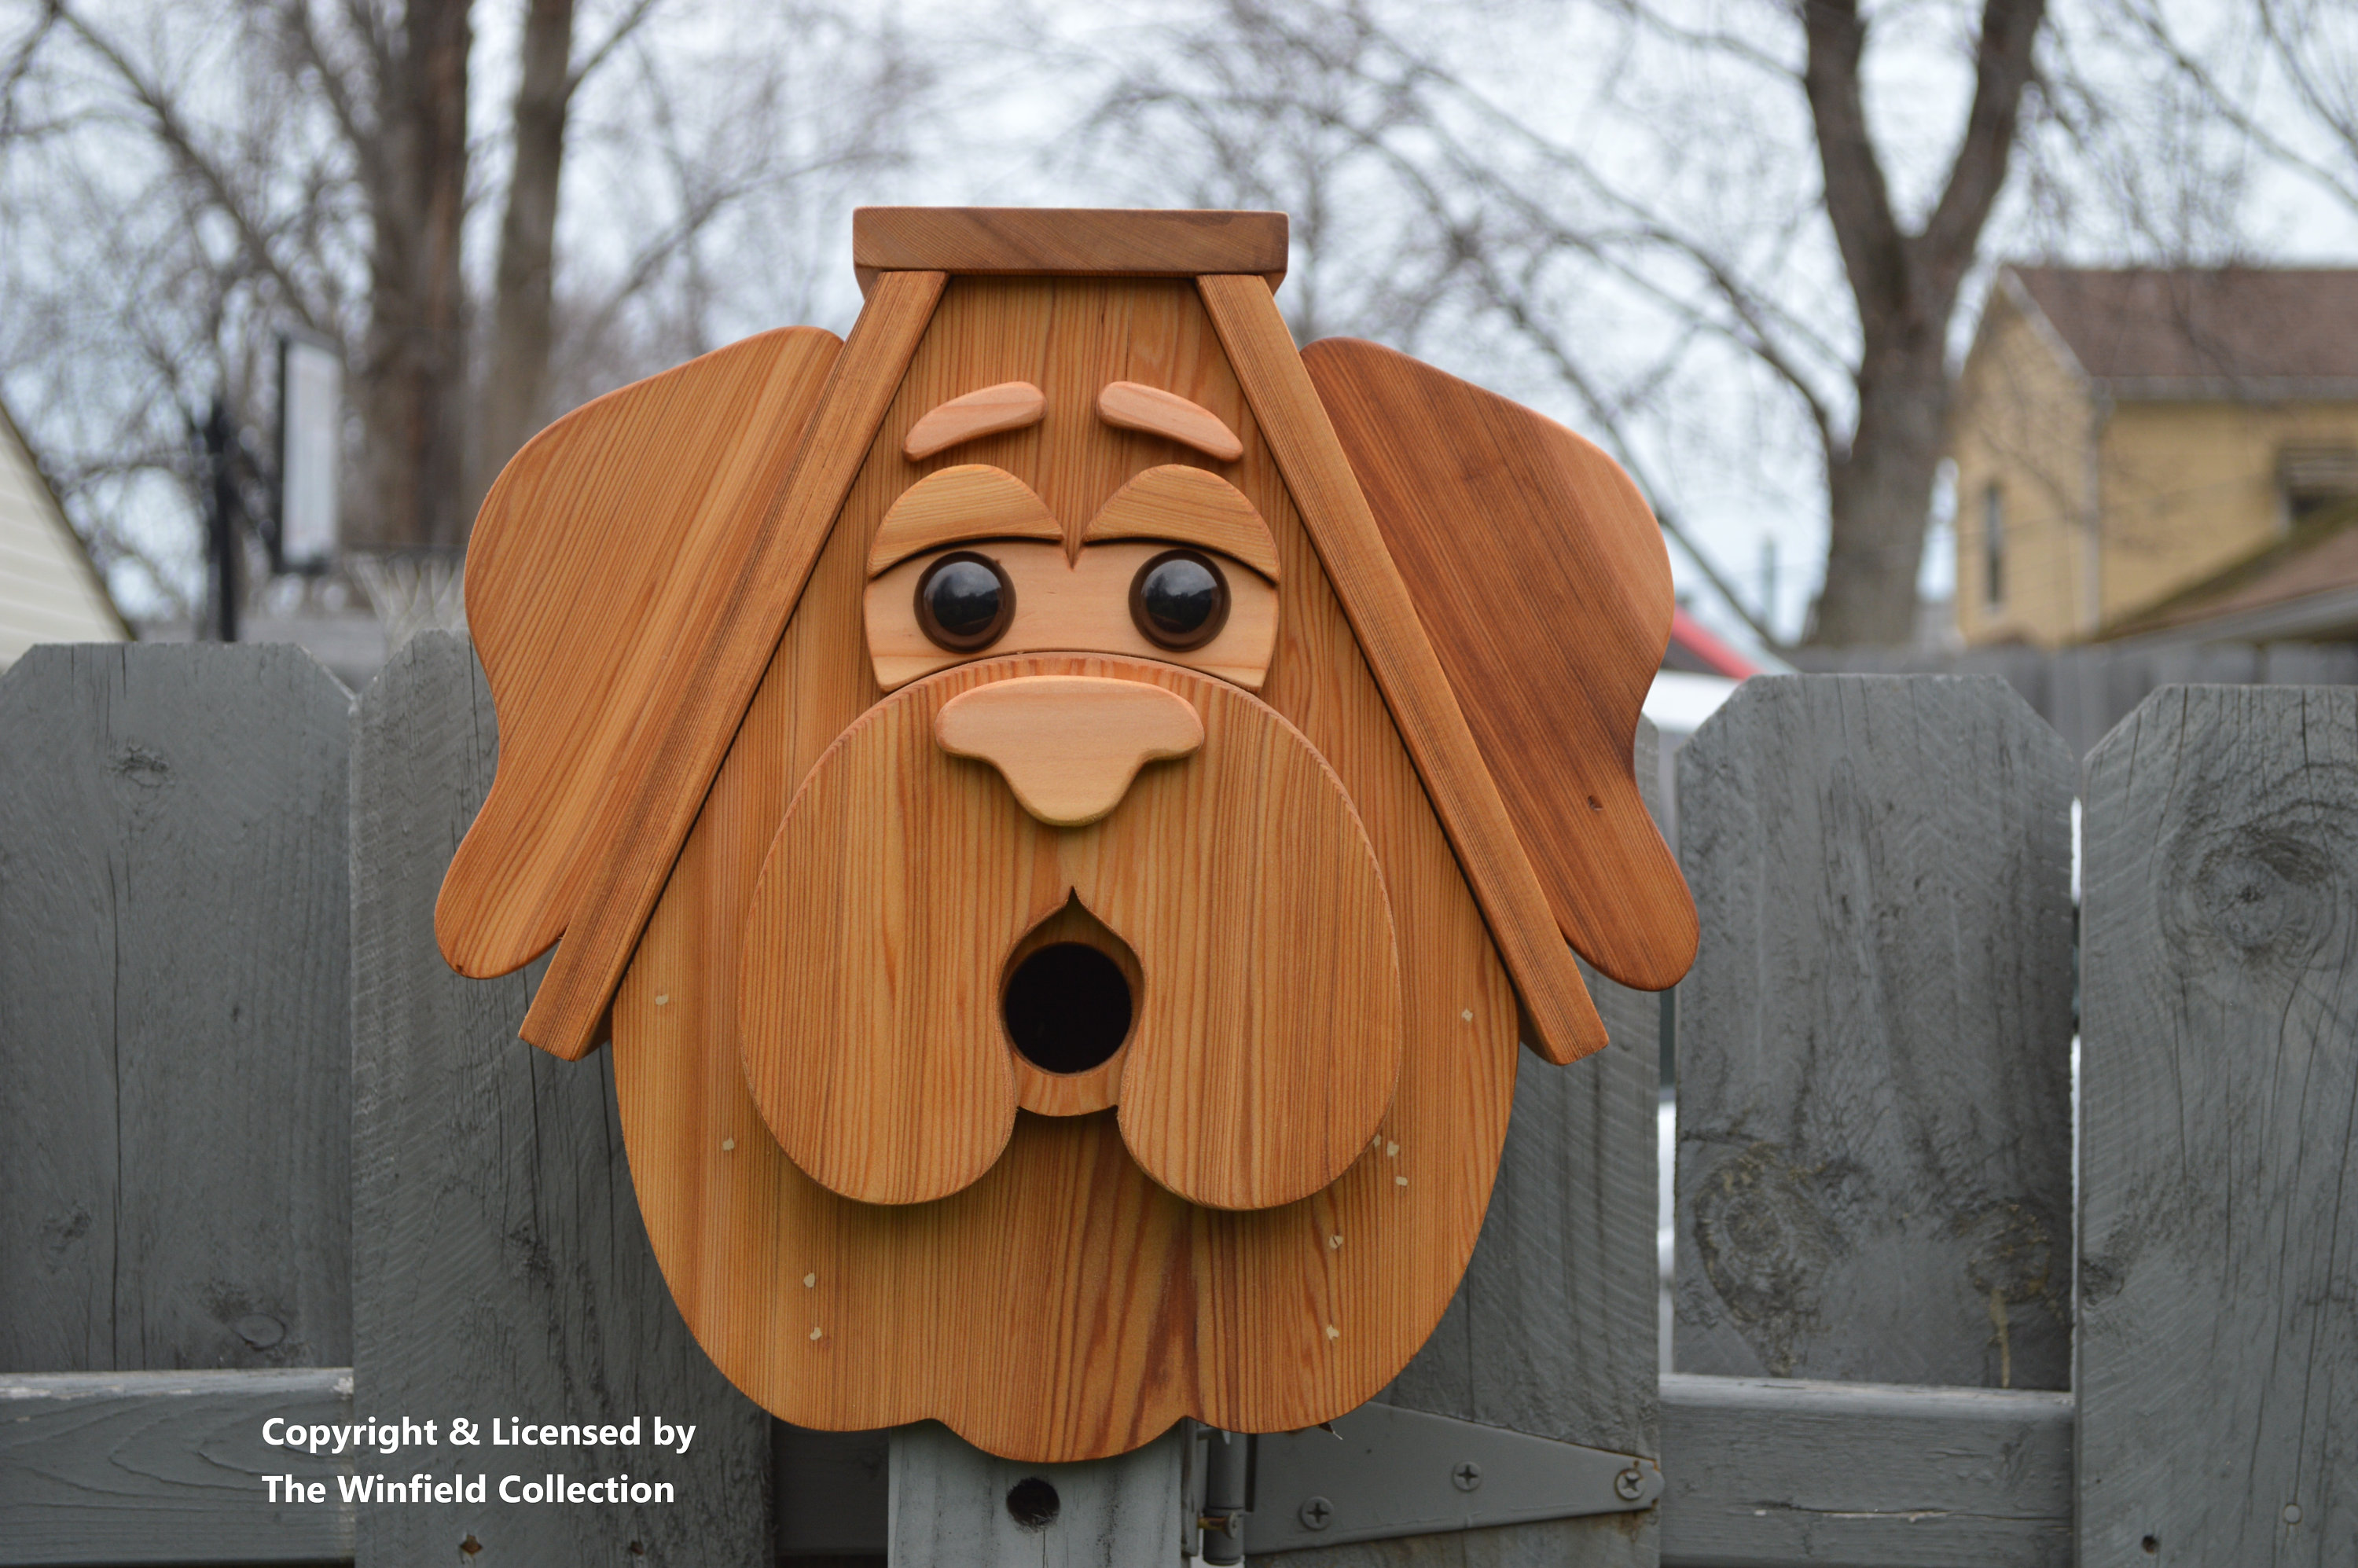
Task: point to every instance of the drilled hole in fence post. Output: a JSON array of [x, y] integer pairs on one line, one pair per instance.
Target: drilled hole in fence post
[[1032, 1503]]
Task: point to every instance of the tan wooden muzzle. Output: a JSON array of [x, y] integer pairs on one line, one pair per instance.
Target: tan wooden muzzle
[[1267, 1018], [1068, 745]]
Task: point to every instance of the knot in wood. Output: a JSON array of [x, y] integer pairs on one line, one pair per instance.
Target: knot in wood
[[1765, 1243]]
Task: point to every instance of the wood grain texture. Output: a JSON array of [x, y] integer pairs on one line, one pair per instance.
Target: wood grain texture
[[1066, 602], [720, 652], [173, 1004], [1267, 1034], [1068, 746], [594, 549], [1188, 506], [2218, 1370], [971, 502], [949, 1505], [1351, 550], [1129, 406], [1874, 1139], [1044, 241], [1552, 1329], [500, 1266], [1769, 1474], [120, 1467], [1012, 1308], [986, 411], [1541, 579]]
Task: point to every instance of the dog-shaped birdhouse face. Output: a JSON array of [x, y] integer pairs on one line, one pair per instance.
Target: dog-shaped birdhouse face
[[1065, 806]]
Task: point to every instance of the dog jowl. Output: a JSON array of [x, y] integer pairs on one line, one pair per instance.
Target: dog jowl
[[1077, 985]]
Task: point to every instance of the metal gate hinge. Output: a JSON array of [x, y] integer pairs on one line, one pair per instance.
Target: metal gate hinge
[[1382, 1473]]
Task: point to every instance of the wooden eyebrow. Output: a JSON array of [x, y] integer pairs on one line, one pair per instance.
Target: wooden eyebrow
[[1009, 405], [1188, 506], [1127, 405], [970, 501]]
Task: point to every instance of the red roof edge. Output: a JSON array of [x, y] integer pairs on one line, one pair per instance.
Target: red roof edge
[[1688, 633]]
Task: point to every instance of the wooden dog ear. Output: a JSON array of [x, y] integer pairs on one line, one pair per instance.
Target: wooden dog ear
[[1543, 582], [595, 539]]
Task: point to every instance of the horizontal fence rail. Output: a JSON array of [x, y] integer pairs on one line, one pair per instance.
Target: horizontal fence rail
[[261, 1154]]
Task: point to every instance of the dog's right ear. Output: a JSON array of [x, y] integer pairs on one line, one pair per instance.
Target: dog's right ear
[[593, 543]]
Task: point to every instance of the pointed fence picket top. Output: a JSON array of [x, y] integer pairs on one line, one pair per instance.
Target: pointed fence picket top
[[2219, 1113]]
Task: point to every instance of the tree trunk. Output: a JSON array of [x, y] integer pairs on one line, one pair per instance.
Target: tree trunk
[[1879, 496], [413, 386], [525, 280], [1879, 484]]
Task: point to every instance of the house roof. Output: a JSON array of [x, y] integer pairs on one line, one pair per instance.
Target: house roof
[[2203, 333], [2304, 585], [49, 590], [1693, 650]]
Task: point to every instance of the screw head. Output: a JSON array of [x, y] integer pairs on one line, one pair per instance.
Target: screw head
[[1467, 1476], [1316, 1513], [1629, 1483]]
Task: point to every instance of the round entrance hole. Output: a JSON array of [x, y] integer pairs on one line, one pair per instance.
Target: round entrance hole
[[1068, 1008]]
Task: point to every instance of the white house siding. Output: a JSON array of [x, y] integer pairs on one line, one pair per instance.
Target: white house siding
[[48, 591]]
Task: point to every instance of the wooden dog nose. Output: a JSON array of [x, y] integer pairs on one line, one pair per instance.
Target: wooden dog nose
[[1068, 745]]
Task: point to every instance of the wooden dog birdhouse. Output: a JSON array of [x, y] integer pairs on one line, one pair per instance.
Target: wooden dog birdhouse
[[1065, 806]]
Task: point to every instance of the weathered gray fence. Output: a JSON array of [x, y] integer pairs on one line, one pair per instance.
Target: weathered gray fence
[[263, 1156]]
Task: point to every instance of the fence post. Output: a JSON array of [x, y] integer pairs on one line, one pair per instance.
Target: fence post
[[953, 1503], [501, 1266], [2219, 1111], [174, 1129]]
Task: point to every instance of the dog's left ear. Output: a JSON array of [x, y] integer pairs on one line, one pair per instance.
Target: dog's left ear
[[1541, 579]]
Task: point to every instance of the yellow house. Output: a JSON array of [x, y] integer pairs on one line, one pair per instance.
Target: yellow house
[[2137, 450], [48, 590]]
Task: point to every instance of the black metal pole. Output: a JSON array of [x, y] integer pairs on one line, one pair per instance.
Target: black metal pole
[[220, 520], [1228, 1494]]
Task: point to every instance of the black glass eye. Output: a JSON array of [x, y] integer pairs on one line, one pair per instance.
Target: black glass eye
[[965, 601], [1179, 600]]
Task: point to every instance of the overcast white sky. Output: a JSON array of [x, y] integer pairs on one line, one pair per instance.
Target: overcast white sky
[[1731, 455]]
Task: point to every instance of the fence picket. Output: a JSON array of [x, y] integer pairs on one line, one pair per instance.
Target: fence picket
[[1873, 1181], [1874, 1176], [501, 1266], [173, 1133], [2219, 1111]]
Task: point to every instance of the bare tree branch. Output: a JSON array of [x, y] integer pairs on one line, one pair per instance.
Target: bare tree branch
[[174, 134], [616, 37]]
